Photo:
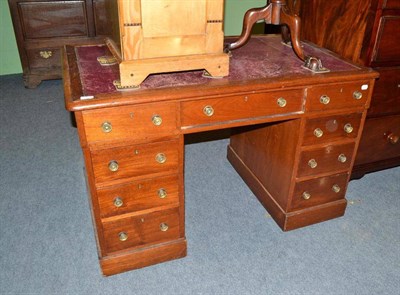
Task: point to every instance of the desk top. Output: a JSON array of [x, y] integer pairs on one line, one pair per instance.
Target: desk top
[[264, 63]]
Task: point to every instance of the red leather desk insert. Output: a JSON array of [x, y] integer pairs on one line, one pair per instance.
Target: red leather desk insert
[[295, 148]]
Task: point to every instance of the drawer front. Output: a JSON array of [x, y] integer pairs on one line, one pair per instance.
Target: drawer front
[[235, 108], [319, 191], [130, 122], [328, 129], [387, 46], [44, 58], [340, 96], [386, 95], [138, 195], [325, 160], [380, 140], [140, 230], [53, 19], [136, 160], [391, 4]]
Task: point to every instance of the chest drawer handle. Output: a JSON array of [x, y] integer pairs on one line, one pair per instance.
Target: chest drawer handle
[[393, 138], [312, 163], [318, 132], [113, 166], [162, 193], [325, 99], [357, 95], [118, 202], [161, 158], [336, 188], [281, 102], [342, 158], [46, 54], [106, 127], [123, 236], [348, 128], [306, 195], [208, 111], [157, 120], [164, 226]]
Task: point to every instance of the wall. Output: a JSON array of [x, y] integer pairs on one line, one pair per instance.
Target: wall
[[9, 58]]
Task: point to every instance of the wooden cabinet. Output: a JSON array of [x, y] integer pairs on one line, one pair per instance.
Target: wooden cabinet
[[43, 27], [366, 32]]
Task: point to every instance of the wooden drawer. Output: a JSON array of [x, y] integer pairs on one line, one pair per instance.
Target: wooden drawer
[[319, 191], [391, 4], [138, 195], [131, 122], [325, 160], [139, 230], [387, 46], [340, 96], [328, 129], [236, 108], [159, 158], [52, 19], [380, 140], [386, 95], [44, 58]]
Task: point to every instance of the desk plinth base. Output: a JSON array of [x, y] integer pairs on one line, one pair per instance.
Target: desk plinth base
[[142, 257], [286, 220]]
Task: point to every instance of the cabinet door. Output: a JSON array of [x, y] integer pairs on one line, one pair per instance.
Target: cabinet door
[[102, 18], [52, 19]]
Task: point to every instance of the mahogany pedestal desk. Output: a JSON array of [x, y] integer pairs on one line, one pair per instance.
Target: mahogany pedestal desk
[[294, 142]]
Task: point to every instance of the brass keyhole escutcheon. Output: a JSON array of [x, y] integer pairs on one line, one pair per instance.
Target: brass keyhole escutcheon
[[281, 102], [342, 158], [357, 95], [312, 163], [325, 99], [336, 188], [118, 202], [348, 128], [162, 193], [164, 226], [157, 120], [318, 132], [208, 111], [113, 166], [106, 127], [306, 195], [123, 236], [161, 158]]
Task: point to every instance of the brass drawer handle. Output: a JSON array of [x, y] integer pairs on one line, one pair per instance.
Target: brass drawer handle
[[157, 120], [393, 138], [118, 202], [318, 132], [348, 128], [312, 163], [113, 166], [123, 236], [164, 226], [324, 99], [357, 95], [208, 111], [46, 54], [162, 193], [106, 127], [161, 158], [342, 158], [336, 188], [306, 195], [281, 102]]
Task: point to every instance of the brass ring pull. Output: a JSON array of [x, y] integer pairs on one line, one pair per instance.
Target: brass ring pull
[[357, 95], [342, 158], [106, 127], [113, 166], [157, 120], [281, 102], [161, 158], [118, 202], [306, 195], [312, 163], [46, 54], [123, 236], [208, 111], [348, 128], [393, 138], [324, 99], [164, 226], [318, 132]]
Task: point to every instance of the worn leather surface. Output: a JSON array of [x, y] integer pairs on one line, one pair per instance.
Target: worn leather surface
[[262, 57]]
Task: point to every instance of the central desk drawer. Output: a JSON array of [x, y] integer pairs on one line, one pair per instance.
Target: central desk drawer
[[135, 160], [139, 230], [239, 107]]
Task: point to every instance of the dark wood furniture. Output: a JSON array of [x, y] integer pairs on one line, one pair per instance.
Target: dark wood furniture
[[294, 143], [366, 32], [43, 27]]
